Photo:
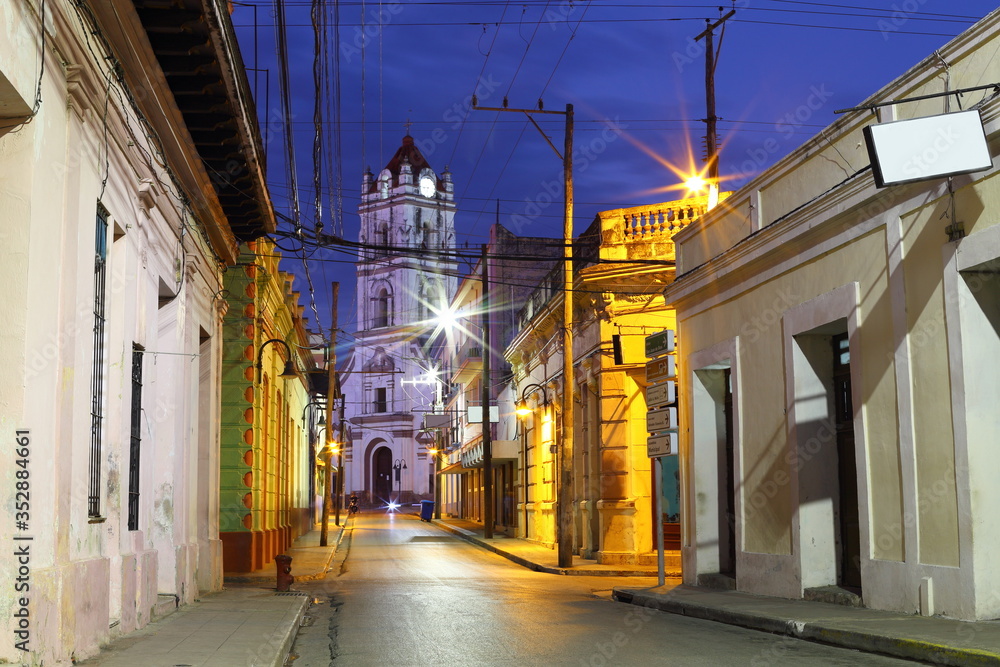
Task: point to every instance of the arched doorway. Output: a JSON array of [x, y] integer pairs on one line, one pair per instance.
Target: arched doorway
[[382, 475]]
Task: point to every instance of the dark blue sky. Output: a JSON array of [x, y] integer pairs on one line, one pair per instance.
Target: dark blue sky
[[631, 70]]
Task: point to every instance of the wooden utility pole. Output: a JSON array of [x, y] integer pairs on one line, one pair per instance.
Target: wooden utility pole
[[565, 491], [564, 479], [331, 396], [711, 120], [485, 380]]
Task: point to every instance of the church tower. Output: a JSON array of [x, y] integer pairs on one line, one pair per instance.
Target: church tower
[[406, 272]]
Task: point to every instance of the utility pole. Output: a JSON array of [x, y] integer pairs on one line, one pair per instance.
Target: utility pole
[[340, 455], [564, 487], [711, 120], [439, 439], [485, 381], [331, 396]]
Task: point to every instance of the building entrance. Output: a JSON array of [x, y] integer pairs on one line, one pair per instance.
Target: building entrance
[[382, 475], [847, 471]]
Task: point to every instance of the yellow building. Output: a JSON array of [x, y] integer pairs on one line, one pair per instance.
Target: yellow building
[[839, 354], [626, 258], [267, 463]]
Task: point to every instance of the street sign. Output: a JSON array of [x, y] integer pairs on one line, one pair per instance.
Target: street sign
[[437, 421], [661, 420], [475, 415], [661, 445], [660, 343], [660, 369], [660, 395]]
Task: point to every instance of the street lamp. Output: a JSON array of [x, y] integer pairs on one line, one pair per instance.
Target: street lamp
[[289, 370], [322, 417], [399, 465], [522, 408]]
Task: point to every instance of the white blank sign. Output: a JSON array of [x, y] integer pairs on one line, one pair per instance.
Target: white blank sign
[[905, 151]]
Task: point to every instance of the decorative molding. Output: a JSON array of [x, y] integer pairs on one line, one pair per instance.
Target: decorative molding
[[83, 89], [147, 195]]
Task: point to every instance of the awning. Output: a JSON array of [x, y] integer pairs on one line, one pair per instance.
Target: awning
[[454, 469]]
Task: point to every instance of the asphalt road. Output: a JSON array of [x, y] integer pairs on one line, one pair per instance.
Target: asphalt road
[[405, 593]]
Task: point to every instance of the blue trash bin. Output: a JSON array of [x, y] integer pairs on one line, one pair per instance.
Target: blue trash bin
[[426, 510]]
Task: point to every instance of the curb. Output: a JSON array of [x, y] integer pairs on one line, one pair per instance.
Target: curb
[[270, 579], [868, 642], [531, 565], [289, 640]]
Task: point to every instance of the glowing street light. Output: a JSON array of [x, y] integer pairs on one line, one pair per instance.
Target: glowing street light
[[695, 183]]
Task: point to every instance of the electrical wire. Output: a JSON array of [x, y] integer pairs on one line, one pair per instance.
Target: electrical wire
[[284, 78], [479, 79]]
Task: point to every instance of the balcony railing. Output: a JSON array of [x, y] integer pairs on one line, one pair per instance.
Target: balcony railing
[[639, 229], [471, 350], [646, 223]]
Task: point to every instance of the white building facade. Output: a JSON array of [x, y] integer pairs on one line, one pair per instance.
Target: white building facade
[[116, 233], [838, 347], [406, 275]]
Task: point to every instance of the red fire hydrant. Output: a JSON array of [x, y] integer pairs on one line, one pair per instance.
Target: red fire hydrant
[[283, 563]]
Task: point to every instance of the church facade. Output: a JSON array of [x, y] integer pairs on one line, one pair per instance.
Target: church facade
[[406, 273]]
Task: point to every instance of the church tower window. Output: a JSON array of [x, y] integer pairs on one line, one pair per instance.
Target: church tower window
[[382, 307]]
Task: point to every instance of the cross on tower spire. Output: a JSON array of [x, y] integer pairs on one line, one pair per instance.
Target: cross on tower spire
[[407, 125]]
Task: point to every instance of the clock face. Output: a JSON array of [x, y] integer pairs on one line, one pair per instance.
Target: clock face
[[427, 186]]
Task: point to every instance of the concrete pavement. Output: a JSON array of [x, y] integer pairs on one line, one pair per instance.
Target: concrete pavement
[[250, 624]]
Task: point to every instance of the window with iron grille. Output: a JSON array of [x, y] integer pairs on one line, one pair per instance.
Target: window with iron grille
[[97, 372], [135, 439], [381, 404]]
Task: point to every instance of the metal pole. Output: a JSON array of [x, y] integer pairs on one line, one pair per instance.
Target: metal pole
[[487, 443], [524, 469], [437, 470], [340, 460], [565, 490], [658, 516]]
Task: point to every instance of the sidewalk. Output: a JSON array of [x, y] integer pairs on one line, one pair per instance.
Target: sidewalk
[[929, 639], [248, 624]]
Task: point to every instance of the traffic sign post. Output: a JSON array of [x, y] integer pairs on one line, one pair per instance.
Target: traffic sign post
[[663, 444], [660, 343], [661, 395], [661, 420]]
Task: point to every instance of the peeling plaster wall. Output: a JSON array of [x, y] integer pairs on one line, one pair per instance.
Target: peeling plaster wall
[[91, 581]]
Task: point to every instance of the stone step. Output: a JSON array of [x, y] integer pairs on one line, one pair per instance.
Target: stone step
[[165, 605]]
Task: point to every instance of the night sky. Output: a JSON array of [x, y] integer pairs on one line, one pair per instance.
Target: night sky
[[631, 69]]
